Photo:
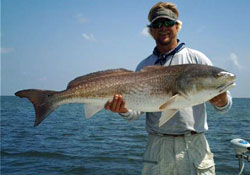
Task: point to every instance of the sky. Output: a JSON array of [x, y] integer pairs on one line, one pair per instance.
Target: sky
[[47, 43]]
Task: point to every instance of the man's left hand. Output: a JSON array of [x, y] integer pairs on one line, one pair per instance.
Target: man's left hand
[[220, 100]]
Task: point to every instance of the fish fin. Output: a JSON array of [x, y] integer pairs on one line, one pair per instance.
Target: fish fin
[[96, 75], [166, 116], [172, 100], [39, 99], [91, 109]]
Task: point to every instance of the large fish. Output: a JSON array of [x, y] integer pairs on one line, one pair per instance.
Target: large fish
[[153, 89]]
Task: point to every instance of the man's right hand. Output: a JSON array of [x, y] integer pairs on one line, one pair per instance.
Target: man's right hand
[[116, 105]]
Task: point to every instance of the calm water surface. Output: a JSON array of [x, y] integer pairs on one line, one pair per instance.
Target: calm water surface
[[68, 144]]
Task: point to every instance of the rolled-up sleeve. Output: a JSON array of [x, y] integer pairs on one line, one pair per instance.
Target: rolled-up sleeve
[[131, 115], [227, 107]]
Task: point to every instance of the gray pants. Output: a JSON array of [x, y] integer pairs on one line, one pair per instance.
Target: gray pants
[[187, 155]]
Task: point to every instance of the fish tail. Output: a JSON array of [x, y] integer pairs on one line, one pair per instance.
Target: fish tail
[[40, 101]]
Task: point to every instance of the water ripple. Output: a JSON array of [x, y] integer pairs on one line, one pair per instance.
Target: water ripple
[[67, 143]]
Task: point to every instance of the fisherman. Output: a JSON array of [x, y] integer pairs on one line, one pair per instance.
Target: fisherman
[[179, 146]]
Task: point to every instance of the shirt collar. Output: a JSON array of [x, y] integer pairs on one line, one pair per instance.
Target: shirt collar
[[158, 54], [163, 57]]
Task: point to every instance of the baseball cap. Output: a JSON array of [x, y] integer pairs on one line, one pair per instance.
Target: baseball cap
[[163, 13]]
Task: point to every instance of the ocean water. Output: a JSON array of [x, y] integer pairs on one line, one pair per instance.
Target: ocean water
[[68, 144]]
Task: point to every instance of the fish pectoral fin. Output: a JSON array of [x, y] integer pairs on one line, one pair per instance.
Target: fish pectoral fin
[[91, 109], [166, 116], [171, 101]]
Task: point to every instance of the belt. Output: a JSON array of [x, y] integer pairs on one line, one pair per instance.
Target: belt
[[179, 135]]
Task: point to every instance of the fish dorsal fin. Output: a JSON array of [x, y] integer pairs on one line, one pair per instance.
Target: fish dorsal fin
[[96, 75], [91, 109], [152, 68]]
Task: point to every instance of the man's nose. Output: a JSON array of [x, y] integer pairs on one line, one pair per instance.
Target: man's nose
[[163, 27]]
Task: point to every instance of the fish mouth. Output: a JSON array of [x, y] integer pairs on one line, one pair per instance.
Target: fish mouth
[[224, 88]]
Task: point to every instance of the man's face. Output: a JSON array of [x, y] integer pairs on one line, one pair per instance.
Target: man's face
[[164, 35]]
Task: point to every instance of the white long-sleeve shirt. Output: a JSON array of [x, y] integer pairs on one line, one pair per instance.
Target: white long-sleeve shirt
[[187, 119]]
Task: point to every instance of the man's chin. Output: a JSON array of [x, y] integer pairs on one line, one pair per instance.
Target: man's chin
[[164, 43]]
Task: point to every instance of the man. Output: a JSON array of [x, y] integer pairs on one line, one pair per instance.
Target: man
[[179, 146]]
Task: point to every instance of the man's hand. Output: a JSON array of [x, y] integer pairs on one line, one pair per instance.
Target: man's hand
[[220, 100], [116, 105]]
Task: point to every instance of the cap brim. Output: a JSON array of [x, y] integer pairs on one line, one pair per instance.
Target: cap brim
[[163, 16]]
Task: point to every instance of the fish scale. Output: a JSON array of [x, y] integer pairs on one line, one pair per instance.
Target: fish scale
[[153, 89]]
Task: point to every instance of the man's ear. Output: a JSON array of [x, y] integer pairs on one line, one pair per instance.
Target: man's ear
[[150, 32]]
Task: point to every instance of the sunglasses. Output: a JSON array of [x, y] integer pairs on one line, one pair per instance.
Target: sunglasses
[[159, 24]]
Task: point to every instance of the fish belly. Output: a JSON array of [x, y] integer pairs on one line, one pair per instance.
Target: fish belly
[[144, 103]]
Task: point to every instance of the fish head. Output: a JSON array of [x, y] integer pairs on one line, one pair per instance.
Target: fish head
[[199, 84]]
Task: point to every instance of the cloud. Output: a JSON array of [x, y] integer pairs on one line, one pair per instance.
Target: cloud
[[89, 37], [234, 58], [6, 50], [80, 18], [144, 32]]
